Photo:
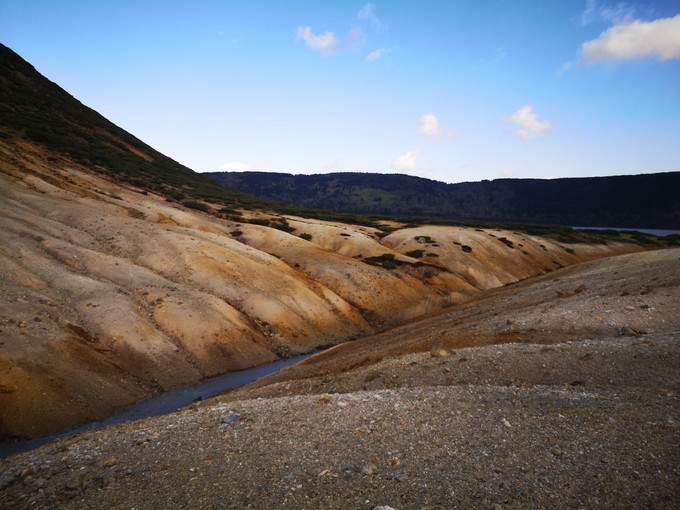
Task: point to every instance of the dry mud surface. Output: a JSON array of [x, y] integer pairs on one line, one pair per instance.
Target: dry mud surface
[[570, 418]]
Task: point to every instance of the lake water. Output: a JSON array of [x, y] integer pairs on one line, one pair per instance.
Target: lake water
[[162, 404], [652, 231]]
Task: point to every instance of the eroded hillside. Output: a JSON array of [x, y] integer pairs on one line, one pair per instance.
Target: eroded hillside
[[111, 294], [579, 411]]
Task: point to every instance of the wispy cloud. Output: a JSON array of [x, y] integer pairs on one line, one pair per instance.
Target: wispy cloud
[[367, 14], [636, 39], [356, 39], [407, 162], [597, 12], [529, 125], [564, 68], [428, 125], [376, 54], [326, 44]]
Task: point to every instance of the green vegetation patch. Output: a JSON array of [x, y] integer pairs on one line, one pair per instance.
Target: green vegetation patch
[[507, 242], [194, 204]]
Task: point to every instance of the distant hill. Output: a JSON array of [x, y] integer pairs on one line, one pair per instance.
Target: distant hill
[[648, 200]]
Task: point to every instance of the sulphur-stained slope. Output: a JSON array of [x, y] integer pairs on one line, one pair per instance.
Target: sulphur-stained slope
[[489, 258], [111, 294], [385, 297]]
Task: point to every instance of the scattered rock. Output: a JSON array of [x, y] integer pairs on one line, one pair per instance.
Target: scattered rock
[[110, 462], [232, 418], [401, 477], [579, 289], [5, 481], [627, 331], [350, 469], [369, 469], [438, 350]]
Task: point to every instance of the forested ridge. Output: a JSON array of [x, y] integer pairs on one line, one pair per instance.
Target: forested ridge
[[642, 201]]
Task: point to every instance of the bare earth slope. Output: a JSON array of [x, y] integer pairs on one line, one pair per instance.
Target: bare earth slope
[[111, 294], [582, 413]]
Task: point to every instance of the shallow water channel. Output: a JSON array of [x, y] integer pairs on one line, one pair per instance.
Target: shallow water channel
[[161, 404]]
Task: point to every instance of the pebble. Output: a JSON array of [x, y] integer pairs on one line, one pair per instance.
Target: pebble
[[232, 418], [370, 469], [110, 462], [5, 482], [438, 350]]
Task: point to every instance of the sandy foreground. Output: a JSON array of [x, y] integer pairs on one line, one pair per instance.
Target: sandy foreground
[[587, 421]]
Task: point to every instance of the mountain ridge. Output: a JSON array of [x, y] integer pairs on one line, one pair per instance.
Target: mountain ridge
[[641, 201], [36, 110]]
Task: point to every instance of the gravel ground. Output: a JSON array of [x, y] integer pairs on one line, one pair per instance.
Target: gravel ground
[[502, 441], [573, 405]]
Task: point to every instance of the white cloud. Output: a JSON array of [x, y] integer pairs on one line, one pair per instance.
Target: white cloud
[[365, 21], [636, 39], [325, 44], [234, 166], [376, 54], [529, 125], [367, 14], [429, 125], [507, 174], [407, 162]]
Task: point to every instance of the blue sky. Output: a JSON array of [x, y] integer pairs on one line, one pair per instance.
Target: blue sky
[[449, 90]]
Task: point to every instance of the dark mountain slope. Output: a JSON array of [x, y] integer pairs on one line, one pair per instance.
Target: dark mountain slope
[[649, 200], [34, 109]]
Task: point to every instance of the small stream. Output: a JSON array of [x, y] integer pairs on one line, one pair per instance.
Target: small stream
[[161, 404]]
